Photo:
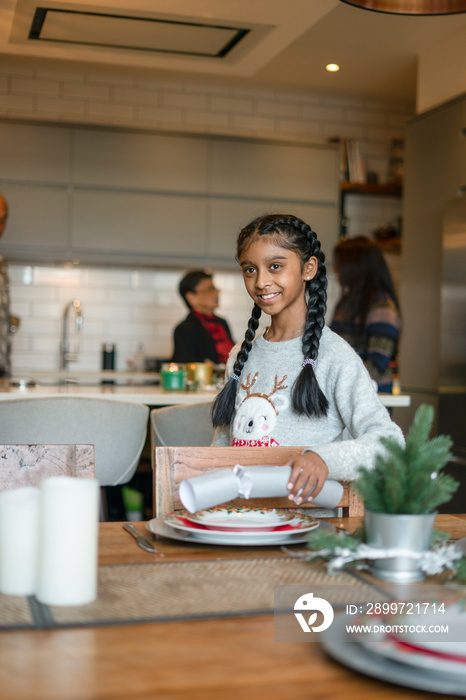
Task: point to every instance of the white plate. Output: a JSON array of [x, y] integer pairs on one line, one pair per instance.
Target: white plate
[[454, 617], [240, 518], [390, 649], [305, 525], [338, 644], [159, 527]]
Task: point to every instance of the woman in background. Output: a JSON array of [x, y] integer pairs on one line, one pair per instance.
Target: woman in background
[[367, 315]]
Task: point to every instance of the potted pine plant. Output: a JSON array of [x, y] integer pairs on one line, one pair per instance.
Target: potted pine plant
[[401, 494]]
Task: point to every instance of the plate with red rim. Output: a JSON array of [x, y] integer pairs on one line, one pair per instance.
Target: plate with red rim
[[342, 646], [414, 647], [242, 519], [300, 525]]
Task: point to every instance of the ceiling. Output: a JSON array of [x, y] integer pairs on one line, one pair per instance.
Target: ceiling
[[276, 43]]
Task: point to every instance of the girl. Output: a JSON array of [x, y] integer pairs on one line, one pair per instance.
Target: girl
[[367, 314], [297, 382]]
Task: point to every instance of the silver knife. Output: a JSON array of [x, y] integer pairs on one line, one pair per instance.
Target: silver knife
[[142, 542]]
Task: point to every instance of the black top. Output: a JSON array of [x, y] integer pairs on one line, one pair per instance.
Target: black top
[[193, 343]]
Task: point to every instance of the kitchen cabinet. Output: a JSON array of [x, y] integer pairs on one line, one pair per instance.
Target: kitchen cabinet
[[134, 218], [116, 196], [435, 174]]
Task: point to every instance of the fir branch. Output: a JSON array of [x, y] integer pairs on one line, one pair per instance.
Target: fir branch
[[330, 540], [406, 479]]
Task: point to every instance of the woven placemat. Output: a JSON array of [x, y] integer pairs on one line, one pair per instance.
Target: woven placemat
[[189, 590], [16, 612], [134, 593]]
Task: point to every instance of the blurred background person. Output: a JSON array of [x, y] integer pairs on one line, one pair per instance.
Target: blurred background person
[[202, 335], [367, 314], [8, 323]]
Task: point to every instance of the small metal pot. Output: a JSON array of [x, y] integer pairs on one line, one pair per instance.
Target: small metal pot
[[393, 531]]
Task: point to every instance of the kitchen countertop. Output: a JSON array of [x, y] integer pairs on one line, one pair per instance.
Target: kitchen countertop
[[128, 387]]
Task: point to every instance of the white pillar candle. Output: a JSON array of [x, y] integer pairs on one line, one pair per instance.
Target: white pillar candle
[[68, 541], [19, 528]]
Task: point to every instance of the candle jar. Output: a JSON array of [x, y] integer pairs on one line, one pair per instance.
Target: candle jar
[[200, 375], [173, 377]]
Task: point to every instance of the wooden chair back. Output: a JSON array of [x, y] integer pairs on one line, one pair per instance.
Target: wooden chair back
[[175, 464]]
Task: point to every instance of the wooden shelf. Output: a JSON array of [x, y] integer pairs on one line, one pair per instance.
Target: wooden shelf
[[394, 189], [387, 189]]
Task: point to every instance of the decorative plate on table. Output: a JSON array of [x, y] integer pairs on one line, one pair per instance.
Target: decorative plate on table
[[193, 532], [299, 525], [342, 646], [241, 519]]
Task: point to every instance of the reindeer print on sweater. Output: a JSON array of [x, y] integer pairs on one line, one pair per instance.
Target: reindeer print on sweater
[[257, 414]]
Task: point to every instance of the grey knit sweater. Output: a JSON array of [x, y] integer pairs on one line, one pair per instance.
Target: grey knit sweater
[[263, 414]]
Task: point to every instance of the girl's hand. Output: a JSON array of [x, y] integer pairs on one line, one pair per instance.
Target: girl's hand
[[307, 471]]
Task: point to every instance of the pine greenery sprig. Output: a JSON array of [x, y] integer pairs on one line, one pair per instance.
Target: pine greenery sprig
[[407, 479]]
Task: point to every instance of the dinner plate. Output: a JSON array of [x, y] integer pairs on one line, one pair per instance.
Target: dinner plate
[[435, 646], [241, 518], [158, 526], [340, 645], [304, 525], [392, 649]]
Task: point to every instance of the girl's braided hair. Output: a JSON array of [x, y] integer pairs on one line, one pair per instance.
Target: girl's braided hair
[[306, 396]]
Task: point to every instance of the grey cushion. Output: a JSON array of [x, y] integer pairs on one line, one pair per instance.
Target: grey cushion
[[179, 426], [117, 429]]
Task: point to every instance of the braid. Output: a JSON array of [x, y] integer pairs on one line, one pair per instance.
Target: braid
[[307, 397], [224, 404]]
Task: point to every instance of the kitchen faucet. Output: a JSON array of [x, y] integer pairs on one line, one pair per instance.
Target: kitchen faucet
[[66, 356]]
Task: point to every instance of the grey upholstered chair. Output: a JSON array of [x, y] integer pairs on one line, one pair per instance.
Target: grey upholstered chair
[[181, 426], [117, 429]]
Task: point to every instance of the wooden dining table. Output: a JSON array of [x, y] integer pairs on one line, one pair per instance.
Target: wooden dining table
[[213, 658]]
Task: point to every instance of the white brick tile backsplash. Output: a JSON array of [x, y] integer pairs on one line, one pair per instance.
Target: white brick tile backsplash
[[16, 103], [256, 124], [24, 293], [136, 95], [237, 105], [34, 86], [302, 127], [110, 110], [154, 116], [347, 131], [51, 105], [37, 326], [318, 112], [278, 109], [365, 116], [208, 120], [184, 100], [56, 276], [104, 277], [46, 311], [84, 91]]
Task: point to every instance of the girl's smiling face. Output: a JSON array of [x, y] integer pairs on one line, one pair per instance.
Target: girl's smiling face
[[274, 276]]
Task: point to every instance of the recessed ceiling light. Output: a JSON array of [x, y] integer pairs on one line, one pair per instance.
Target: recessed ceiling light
[[332, 67]]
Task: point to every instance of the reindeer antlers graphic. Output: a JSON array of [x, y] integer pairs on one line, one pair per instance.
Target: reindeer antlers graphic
[[250, 383]]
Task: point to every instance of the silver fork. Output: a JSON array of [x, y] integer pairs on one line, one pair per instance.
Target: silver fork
[[142, 542]]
